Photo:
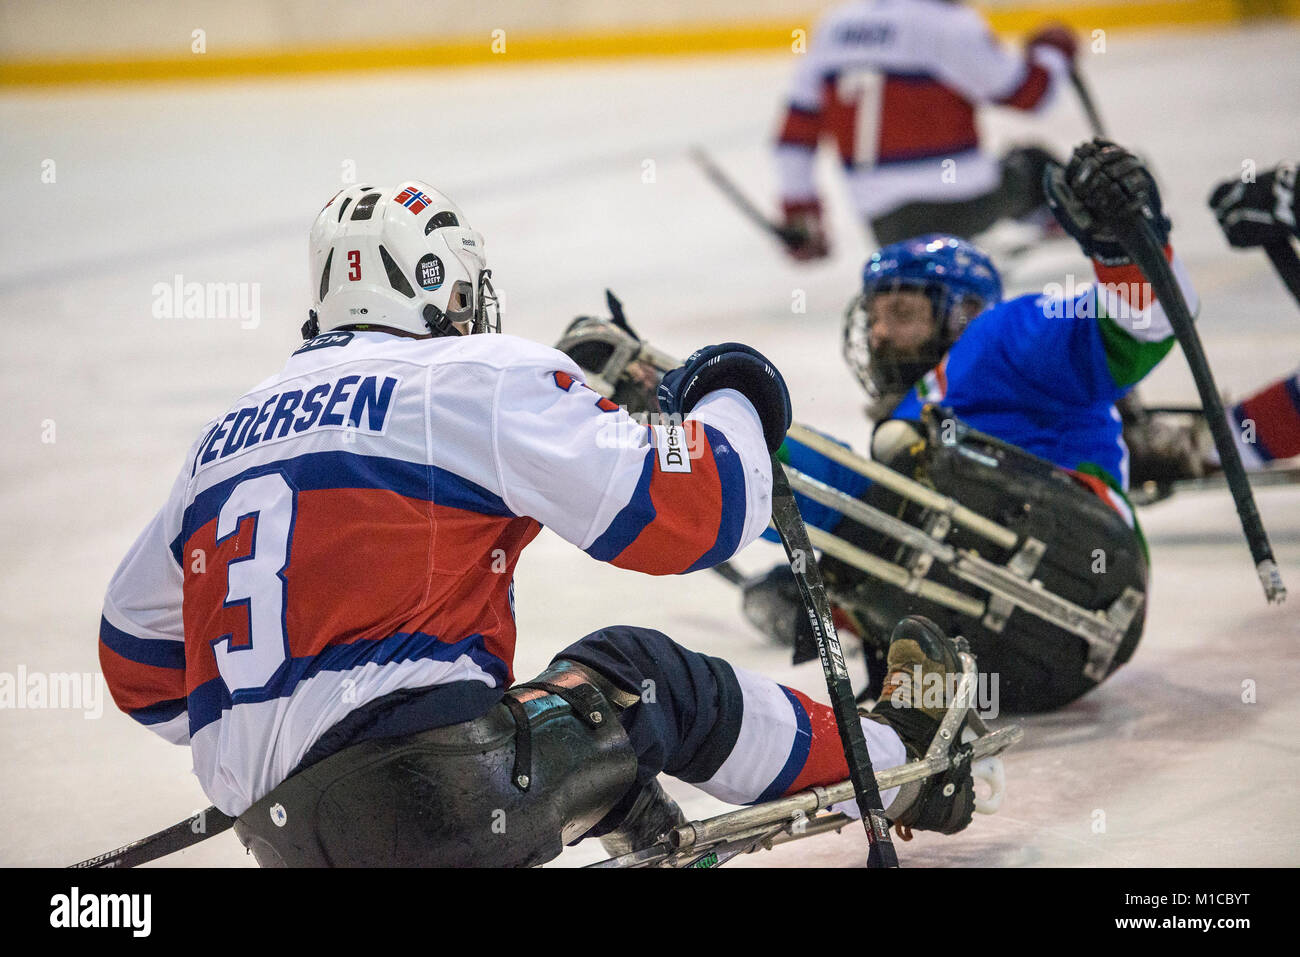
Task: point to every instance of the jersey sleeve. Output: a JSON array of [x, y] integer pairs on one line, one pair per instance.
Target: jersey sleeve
[[141, 631], [982, 68], [662, 499], [1134, 327], [804, 119]]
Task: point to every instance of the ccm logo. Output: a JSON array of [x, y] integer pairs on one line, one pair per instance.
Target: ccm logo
[[670, 443]]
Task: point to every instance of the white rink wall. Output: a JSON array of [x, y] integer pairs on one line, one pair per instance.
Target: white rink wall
[[56, 29]]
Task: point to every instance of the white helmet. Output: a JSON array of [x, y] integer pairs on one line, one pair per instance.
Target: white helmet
[[401, 257]]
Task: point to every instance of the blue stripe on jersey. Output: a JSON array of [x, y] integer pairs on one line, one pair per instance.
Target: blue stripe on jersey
[[1293, 391], [160, 713], [336, 470], [800, 748], [159, 652], [210, 699], [631, 519], [731, 477]]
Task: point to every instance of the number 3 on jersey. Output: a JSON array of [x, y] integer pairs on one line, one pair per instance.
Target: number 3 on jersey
[[257, 580]]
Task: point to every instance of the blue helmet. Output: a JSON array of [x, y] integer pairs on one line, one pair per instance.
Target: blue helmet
[[960, 280]]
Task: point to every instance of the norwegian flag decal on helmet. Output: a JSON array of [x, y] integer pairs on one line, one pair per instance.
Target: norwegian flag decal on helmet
[[414, 200]]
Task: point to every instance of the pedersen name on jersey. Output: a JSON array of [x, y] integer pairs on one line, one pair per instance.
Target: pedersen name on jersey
[[350, 401]]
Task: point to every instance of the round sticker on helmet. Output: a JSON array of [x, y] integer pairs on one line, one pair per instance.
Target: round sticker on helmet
[[428, 272]]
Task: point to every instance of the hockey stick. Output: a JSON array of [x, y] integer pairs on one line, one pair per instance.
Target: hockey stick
[[798, 548], [788, 235], [187, 833], [1287, 264], [1089, 106], [1145, 249]]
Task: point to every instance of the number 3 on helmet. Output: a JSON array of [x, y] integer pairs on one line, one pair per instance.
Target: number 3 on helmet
[[401, 257]]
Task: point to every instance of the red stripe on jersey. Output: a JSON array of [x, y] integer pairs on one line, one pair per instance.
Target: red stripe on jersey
[[801, 128], [1128, 281], [365, 564], [1276, 418], [920, 117], [1029, 93], [135, 685], [825, 763], [688, 512]]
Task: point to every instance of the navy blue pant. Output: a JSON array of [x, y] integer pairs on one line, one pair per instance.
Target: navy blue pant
[[688, 716]]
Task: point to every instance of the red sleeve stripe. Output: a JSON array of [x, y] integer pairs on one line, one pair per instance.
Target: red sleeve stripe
[[801, 127], [687, 509], [1128, 280], [1276, 414], [1029, 93], [679, 521], [135, 686]]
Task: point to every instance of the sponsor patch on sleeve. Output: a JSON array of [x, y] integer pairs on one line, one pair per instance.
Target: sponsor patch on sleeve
[[671, 445]]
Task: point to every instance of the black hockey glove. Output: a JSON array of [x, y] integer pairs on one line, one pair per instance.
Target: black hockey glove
[[1102, 189], [730, 366], [1260, 213]]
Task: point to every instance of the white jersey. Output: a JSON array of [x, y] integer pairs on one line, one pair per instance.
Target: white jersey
[[350, 527], [895, 83]]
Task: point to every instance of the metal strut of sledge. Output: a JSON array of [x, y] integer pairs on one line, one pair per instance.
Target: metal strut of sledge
[[1008, 586]]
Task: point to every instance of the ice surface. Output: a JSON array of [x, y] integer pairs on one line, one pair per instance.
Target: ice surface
[[220, 183]]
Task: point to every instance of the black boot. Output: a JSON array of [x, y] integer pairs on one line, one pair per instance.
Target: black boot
[[918, 649]]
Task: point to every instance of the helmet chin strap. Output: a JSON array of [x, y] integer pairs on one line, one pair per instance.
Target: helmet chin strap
[[438, 322]]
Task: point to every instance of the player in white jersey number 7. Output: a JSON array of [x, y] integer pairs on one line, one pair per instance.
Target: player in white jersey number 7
[[323, 610]]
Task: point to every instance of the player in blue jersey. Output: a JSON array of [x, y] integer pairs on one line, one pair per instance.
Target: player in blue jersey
[[1038, 374]]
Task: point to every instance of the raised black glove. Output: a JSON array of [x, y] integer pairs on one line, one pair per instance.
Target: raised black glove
[[1098, 193], [730, 366], [1260, 213]]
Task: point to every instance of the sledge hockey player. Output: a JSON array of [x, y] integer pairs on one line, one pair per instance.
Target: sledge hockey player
[[896, 84], [1008, 407], [1255, 214], [323, 610]]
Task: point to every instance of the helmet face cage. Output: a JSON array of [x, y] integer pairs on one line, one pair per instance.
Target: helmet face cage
[[487, 308], [883, 372]]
